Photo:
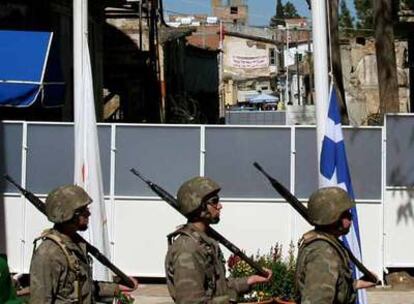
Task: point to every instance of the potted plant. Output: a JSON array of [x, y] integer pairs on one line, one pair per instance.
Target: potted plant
[[280, 289]]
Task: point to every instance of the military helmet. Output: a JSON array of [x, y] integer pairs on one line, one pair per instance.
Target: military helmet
[[62, 202], [192, 192], [327, 204]]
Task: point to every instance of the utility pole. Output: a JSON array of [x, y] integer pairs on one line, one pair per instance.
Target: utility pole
[[287, 66], [309, 58], [221, 88], [297, 65], [156, 105]]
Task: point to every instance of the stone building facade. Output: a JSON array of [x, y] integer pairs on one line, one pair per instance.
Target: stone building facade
[[250, 63], [231, 11], [359, 66]]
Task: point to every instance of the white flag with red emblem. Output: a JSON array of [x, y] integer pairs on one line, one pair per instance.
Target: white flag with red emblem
[[88, 173]]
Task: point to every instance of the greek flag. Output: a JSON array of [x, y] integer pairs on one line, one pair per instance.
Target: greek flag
[[334, 171]]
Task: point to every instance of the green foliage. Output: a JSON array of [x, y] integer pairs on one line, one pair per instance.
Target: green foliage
[[365, 14], [122, 298], [283, 280], [283, 12], [345, 18], [290, 10], [280, 15]]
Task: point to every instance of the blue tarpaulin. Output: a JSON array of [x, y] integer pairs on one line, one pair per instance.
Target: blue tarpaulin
[[27, 73]]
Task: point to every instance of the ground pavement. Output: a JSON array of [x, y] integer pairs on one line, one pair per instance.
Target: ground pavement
[[158, 294]]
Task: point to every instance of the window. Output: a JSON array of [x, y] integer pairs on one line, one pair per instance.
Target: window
[[272, 56], [234, 10]]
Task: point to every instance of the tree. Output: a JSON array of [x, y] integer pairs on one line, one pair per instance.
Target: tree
[[386, 61], [278, 19], [365, 14], [345, 19], [290, 11], [336, 67], [283, 12]]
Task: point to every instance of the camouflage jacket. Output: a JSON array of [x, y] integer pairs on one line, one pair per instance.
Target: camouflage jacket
[[195, 272], [323, 272], [59, 277]]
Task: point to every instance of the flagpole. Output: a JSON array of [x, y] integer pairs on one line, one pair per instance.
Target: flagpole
[[78, 83], [222, 98], [320, 67], [78, 30]]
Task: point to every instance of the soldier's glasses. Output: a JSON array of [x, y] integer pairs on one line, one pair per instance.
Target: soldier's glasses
[[214, 200], [347, 214], [83, 211]]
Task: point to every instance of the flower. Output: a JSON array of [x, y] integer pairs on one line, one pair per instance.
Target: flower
[[282, 283], [122, 298]]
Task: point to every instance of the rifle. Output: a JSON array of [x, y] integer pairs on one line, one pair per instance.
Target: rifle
[[89, 247], [303, 211], [171, 200]]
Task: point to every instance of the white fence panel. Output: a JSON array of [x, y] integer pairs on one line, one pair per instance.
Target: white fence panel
[[13, 232], [140, 235], [399, 228], [139, 225]]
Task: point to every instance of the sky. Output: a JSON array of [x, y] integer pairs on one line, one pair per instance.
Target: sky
[[260, 11]]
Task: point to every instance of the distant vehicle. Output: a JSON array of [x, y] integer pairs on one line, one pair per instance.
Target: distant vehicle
[[212, 20], [242, 108]]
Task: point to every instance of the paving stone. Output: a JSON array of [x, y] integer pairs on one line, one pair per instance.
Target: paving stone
[[158, 294]]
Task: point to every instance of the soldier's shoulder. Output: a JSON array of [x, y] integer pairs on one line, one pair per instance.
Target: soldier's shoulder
[[48, 249], [186, 242], [321, 248]]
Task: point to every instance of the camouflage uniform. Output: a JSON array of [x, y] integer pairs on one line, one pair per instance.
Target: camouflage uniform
[[323, 273], [195, 272], [323, 270], [55, 274], [60, 271]]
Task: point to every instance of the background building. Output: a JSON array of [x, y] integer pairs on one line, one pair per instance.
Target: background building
[[250, 63], [231, 11]]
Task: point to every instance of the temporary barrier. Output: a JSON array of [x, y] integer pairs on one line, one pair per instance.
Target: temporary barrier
[[40, 156]]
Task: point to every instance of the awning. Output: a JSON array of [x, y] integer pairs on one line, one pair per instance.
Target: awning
[[27, 73]]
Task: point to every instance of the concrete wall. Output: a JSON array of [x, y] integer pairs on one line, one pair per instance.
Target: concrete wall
[[227, 13], [206, 37]]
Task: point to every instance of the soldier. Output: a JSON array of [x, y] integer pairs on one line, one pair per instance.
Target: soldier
[[323, 273], [194, 264], [60, 271]]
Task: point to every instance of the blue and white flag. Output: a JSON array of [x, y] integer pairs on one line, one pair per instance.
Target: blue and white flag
[[334, 171]]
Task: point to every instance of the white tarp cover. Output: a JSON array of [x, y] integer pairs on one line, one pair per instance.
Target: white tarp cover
[[264, 98]]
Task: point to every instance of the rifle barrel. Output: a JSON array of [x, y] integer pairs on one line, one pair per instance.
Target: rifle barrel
[[302, 210], [89, 247], [171, 200]]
